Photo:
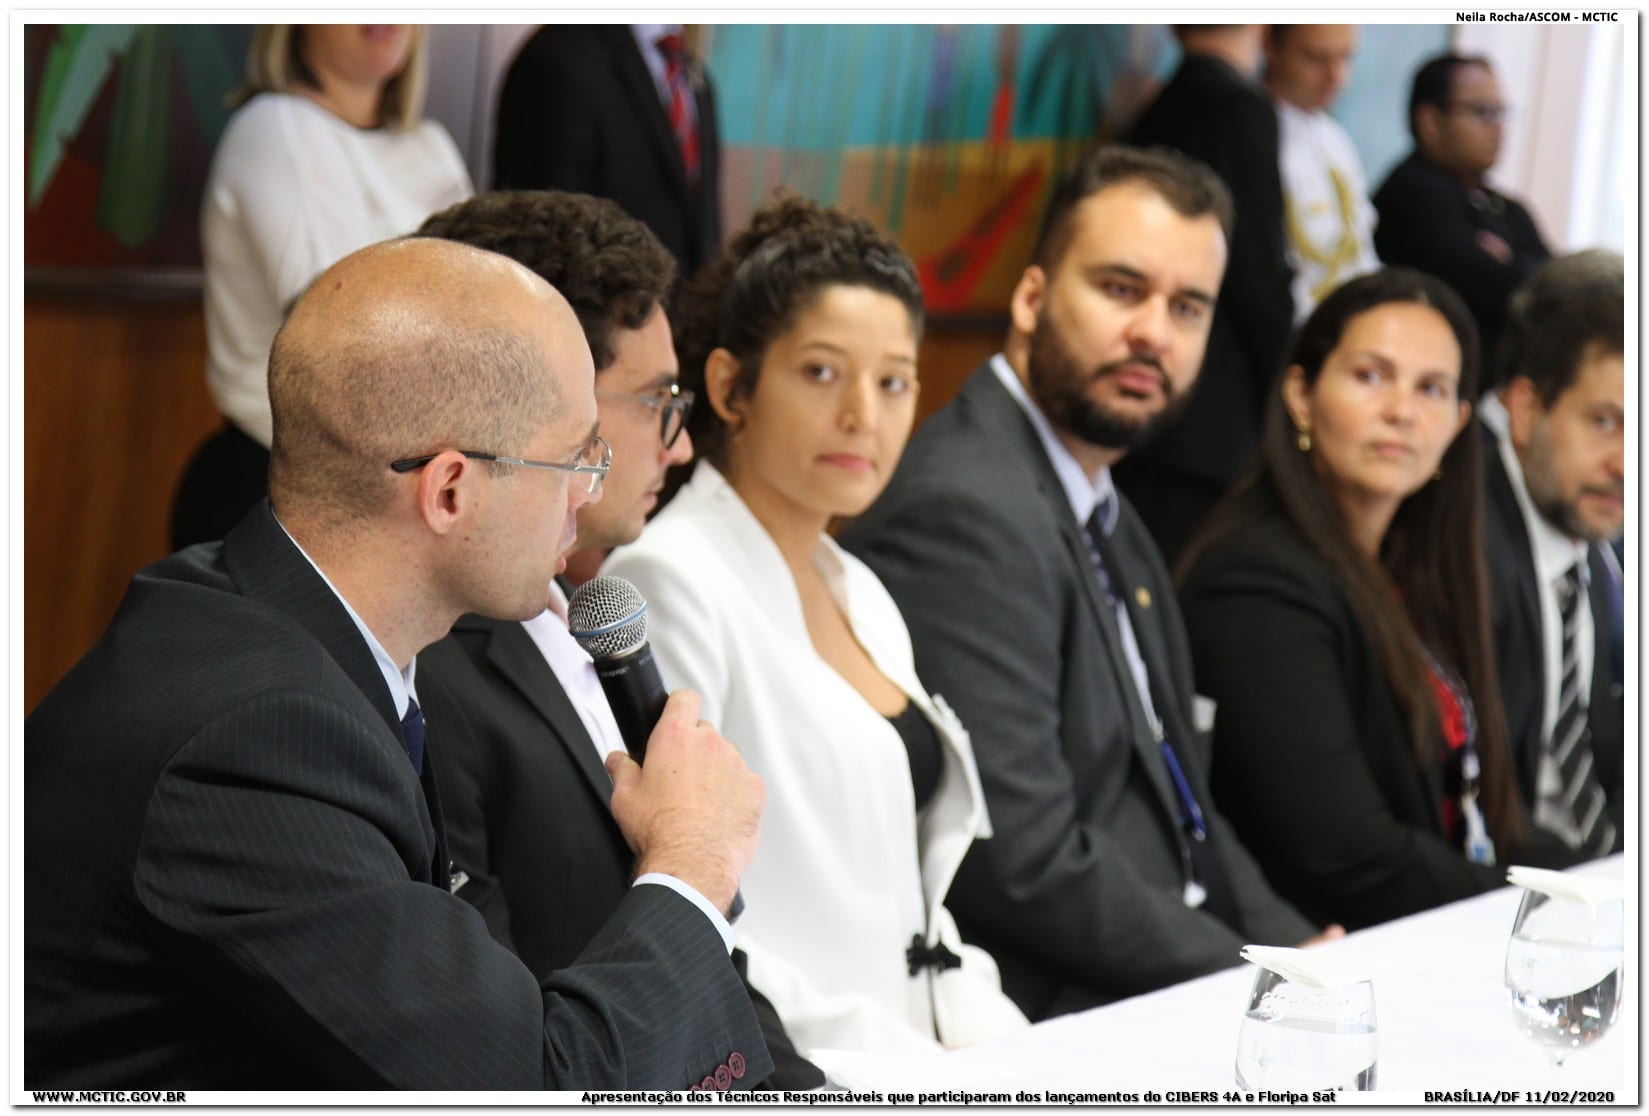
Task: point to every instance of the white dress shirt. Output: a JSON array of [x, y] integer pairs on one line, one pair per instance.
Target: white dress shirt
[[1554, 554], [1325, 200], [293, 189]]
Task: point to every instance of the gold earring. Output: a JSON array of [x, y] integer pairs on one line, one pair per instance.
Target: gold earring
[[1438, 474], [1304, 441]]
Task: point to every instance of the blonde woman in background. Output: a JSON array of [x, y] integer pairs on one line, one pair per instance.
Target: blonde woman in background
[[327, 153]]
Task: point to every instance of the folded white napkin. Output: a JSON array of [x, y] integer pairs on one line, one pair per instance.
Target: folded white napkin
[[1315, 967], [1590, 890]]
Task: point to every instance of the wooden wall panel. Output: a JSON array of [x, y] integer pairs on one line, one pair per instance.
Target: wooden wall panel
[[115, 401]]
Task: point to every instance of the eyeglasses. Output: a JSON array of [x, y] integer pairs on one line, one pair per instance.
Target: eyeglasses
[[1485, 111], [673, 405], [594, 460]]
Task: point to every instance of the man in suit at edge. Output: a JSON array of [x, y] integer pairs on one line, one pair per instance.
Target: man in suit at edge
[[1110, 872], [522, 724], [1213, 111], [1555, 435], [622, 112], [234, 871]]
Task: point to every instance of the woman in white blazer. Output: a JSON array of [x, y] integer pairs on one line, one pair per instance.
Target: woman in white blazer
[[802, 342]]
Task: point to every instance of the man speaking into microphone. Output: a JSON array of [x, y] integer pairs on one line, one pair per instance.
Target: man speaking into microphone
[[234, 867], [518, 706]]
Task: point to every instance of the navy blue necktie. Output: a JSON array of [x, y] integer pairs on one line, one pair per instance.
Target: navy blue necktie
[[1206, 866], [412, 732]]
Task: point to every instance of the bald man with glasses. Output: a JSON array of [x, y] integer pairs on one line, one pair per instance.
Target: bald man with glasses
[[1437, 211], [235, 870], [522, 718]]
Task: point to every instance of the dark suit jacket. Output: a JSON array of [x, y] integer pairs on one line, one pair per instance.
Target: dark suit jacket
[[1079, 894], [579, 111], [1211, 113], [526, 808], [1313, 760], [233, 878], [1428, 221], [1518, 639]]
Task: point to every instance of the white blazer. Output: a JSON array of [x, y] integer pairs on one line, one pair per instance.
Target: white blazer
[[847, 872]]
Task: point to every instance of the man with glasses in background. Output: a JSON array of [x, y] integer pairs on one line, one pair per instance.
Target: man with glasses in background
[[234, 863], [520, 716], [1437, 212]]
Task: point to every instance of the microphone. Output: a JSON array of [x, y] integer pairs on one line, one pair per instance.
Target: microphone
[[608, 618]]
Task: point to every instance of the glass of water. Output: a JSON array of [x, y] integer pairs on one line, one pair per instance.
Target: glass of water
[[1299, 1036], [1563, 968]]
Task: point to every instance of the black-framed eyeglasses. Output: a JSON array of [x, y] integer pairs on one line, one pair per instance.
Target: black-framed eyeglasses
[[673, 405], [1485, 111], [594, 460]]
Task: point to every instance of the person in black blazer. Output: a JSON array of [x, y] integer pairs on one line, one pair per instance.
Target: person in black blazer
[[584, 109], [1437, 211], [1554, 442], [1213, 111], [526, 797], [1337, 609], [1094, 885], [235, 875]]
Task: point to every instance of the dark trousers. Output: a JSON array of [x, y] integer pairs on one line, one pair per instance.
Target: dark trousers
[[227, 476]]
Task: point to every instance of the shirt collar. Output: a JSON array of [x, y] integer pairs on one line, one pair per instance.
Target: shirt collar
[[1084, 492], [400, 683], [1554, 552]]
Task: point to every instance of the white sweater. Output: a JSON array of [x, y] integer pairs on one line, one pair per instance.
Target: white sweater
[[293, 190]]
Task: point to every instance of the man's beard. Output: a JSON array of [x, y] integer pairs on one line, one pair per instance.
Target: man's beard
[[1059, 387], [1539, 477]]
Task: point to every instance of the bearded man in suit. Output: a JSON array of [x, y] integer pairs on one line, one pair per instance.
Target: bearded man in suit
[[1039, 605], [1555, 464], [518, 706], [235, 870]]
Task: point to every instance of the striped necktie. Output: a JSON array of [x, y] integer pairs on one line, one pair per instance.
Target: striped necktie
[[1573, 805], [683, 123]]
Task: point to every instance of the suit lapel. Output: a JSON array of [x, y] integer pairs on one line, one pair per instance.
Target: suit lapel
[[516, 657], [1002, 415], [1512, 554], [265, 563], [637, 83]]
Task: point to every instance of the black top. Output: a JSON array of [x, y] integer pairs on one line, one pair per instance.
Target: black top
[[1431, 221], [1313, 760], [1214, 114], [922, 747]]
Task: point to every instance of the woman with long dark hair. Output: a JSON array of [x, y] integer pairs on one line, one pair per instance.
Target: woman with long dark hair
[[1336, 603]]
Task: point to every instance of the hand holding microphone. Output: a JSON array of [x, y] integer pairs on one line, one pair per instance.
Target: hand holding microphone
[[693, 810]]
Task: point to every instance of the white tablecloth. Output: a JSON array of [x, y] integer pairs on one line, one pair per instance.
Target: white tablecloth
[[1444, 1019]]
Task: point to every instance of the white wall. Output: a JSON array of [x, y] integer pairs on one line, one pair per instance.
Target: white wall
[[1570, 145], [467, 64]]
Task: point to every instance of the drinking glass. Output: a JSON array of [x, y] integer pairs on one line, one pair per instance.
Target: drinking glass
[[1298, 1036], [1563, 968]]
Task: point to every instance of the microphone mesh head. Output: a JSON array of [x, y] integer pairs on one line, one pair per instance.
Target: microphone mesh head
[[608, 617]]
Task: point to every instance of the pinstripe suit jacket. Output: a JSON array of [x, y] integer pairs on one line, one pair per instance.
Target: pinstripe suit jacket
[[234, 880]]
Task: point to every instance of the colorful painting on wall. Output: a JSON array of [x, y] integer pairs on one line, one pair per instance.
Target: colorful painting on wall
[[950, 137], [121, 123]]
